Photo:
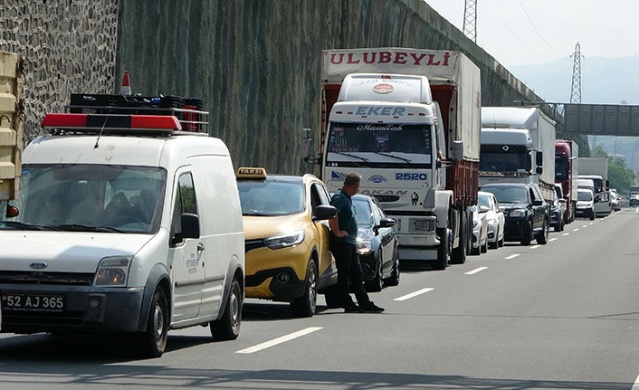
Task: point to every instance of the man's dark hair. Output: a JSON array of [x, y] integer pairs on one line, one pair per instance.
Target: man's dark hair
[[352, 179]]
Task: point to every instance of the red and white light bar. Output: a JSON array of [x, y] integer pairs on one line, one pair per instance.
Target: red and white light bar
[[123, 123]]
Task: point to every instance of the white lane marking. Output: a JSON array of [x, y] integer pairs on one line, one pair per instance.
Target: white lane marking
[[413, 294], [280, 340], [476, 270], [575, 230], [552, 239], [585, 226], [511, 256], [565, 234], [535, 246]]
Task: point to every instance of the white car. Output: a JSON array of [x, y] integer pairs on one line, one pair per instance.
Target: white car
[[480, 231], [489, 205]]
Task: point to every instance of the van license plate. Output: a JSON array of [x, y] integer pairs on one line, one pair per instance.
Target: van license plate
[[32, 302]]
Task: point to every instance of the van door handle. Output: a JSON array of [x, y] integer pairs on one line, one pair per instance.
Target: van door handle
[[200, 247]]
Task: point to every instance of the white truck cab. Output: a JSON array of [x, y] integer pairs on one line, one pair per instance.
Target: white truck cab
[[124, 223]]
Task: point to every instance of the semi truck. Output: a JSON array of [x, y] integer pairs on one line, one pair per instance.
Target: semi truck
[[11, 119], [517, 145], [408, 121], [566, 174]]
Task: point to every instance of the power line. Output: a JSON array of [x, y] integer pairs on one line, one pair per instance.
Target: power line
[[535, 28]]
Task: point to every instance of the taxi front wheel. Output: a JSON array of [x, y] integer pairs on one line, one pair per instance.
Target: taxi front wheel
[[305, 305]]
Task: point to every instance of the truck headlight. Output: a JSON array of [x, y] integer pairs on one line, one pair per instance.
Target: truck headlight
[[113, 271], [284, 240], [517, 213]]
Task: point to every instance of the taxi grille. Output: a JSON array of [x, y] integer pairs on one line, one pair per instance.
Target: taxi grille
[[48, 278]]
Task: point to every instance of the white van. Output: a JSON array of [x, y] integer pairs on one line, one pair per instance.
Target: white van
[[124, 223]]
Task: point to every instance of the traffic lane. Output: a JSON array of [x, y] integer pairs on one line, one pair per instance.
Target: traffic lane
[[366, 348], [547, 301]]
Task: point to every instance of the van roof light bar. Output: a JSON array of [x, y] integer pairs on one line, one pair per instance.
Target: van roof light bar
[[123, 124]]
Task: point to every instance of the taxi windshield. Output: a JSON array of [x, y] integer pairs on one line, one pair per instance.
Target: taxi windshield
[[271, 197]]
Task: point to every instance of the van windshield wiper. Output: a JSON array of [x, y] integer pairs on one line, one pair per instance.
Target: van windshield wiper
[[84, 228], [23, 226]]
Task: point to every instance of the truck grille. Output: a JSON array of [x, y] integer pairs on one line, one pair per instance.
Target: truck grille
[[49, 278]]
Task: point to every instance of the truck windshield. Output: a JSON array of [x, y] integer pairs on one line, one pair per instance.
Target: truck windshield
[[561, 169], [104, 198], [503, 158], [380, 142]]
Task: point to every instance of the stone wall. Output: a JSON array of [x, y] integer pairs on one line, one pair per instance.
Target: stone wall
[[255, 63], [68, 45]]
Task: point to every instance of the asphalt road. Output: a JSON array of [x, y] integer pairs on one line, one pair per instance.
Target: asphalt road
[[559, 316]]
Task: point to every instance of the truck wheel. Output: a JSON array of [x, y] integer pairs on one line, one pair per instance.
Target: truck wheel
[[458, 256], [228, 327], [527, 234], [592, 215], [152, 342], [542, 237], [305, 305], [442, 250]]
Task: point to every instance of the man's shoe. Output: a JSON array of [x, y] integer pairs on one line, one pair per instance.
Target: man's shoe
[[353, 309], [372, 308]]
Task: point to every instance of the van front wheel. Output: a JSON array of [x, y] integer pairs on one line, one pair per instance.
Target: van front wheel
[[228, 327], [153, 341]]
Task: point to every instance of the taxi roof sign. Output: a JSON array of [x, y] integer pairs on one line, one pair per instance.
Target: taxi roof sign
[[251, 173]]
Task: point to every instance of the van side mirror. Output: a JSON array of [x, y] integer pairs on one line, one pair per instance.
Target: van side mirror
[[190, 226]]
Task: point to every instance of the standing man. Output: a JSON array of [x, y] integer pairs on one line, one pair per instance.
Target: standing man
[[344, 248]]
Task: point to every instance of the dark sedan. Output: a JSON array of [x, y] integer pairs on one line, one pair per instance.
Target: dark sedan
[[376, 244], [527, 213]]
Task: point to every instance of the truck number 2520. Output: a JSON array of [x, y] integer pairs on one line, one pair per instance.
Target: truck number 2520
[[410, 176]]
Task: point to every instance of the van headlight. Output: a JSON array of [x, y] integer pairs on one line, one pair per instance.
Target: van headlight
[[113, 271], [284, 240]]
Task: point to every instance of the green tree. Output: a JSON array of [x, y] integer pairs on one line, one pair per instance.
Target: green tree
[[619, 176]]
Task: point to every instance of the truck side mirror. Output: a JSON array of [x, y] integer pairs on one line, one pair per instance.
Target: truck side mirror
[[540, 170], [458, 150], [307, 146], [529, 162], [539, 158]]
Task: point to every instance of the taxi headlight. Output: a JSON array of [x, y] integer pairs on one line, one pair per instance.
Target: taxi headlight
[[113, 271], [284, 240], [517, 213]]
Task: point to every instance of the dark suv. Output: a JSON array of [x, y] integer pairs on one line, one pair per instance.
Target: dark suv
[[527, 213]]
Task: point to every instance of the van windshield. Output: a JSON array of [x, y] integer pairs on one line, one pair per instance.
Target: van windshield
[[103, 198]]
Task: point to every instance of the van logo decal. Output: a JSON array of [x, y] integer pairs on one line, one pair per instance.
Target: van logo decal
[[38, 265], [338, 176]]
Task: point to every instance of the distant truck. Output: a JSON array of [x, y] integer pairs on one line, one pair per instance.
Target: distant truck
[[596, 169], [517, 145], [566, 174], [381, 117], [11, 82]]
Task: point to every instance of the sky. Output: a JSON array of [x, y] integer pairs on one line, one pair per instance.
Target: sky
[[528, 32]]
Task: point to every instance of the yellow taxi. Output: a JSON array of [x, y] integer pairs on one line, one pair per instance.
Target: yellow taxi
[[287, 239]]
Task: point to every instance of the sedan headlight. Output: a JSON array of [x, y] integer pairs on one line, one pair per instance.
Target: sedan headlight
[[518, 213], [284, 240], [364, 242], [113, 271]]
